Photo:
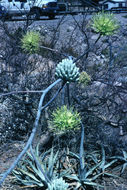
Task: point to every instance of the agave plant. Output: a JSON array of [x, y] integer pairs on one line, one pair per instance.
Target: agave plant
[[104, 23], [64, 120], [89, 173], [29, 174], [30, 42], [85, 177], [67, 71]]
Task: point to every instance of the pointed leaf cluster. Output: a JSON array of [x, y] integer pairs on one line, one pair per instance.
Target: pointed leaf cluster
[[64, 119], [29, 174], [30, 42], [67, 71], [104, 23]]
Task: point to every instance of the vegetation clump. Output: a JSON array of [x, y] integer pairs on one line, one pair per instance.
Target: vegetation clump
[[64, 119], [104, 23], [30, 42], [41, 172], [84, 78]]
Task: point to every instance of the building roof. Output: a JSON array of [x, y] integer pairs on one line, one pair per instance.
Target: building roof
[[113, 1], [106, 1]]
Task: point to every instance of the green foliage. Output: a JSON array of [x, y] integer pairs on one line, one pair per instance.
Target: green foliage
[[104, 23], [29, 174], [67, 71], [30, 42], [64, 119], [84, 78]]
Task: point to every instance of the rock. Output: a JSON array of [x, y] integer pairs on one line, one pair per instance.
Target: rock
[[94, 37], [70, 29], [117, 84]]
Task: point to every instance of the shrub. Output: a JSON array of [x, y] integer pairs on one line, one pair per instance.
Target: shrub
[[64, 119], [84, 78], [104, 23], [30, 42]]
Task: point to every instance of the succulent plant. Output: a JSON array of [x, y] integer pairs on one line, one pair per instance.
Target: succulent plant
[[84, 78], [64, 119], [30, 42], [123, 159], [67, 71], [93, 168], [85, 177], [29, 174], [58, 184], [104, 23]]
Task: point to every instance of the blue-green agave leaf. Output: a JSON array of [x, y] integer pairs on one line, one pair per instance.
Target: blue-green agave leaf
[[73, 177], [109, 174], [90, 171], [28, 174], [110, 163], [125, 154], [93, 184], [123, 167], [74, 155]]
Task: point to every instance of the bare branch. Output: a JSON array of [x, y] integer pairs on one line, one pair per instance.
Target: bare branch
[[30, 140]]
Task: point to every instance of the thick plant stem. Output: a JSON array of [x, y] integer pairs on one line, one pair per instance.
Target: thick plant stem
[[30, 140], [68, 94], [53, 98], [82, 147], [81, 153], [63, 96]]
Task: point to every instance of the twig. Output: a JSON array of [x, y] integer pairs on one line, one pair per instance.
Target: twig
[[87, 41], [55, 51], [18, 92], [90, 48]]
